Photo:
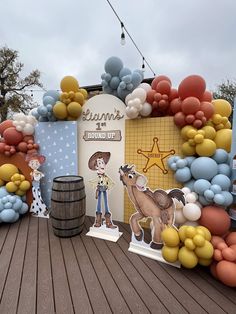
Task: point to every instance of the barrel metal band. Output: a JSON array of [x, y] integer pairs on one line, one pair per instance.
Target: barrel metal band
[[73, 181], [63, 219], [63, 229], [67, 190], [80, 199]]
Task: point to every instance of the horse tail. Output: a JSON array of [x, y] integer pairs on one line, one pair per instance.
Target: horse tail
[[178, 194]]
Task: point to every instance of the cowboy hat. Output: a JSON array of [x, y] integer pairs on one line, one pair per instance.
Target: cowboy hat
[[93, 159]]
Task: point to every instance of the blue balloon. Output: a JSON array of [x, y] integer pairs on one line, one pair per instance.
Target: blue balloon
[[122, 93], [24, 208], [222, 180], [130, 87], [113, 65], [8, 205], [3, 192], [49, 108], [124, 72], [122, 85], [108, 77], [216, 188], [42, 110], [104, 83], [170, 160], [204, 168], [17, 205], [107, 89], [114, 83], [190, 184], [173, 166], [189, 160], [1, 205], [176, 158], [52, 93], [43, 119], [228, 198], [183, 175], [203, 201], [136, 79], [201, 185], [48, 100], [224, 169], [4, 199], [220, 156], [34, 112], [209, 195], [127, 79], [219, 199], [8, 215], [181, 163]]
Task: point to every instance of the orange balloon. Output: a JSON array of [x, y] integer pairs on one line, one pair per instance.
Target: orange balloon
[[173, 94], [179, 119], [12, 136], [190, 105], [4, 125], [231, 238], [213, 269], [175, 105], [150, 96], [207, 96], [163, 87], [193, 85], [159, 79], [207, 108], [226, 272]]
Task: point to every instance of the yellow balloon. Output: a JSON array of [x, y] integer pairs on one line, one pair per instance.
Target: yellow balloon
[[63, 96], [22, 178], [182, 230], [74, 109], [71, 95], [7, 171], [222, 107], [228, 125], [16, 177], [187, 258], [60, 111], [206, 251], [79, 97], [207, 148], [206, 232], [185, 130], [190, 232], [210, 132], [69, 83], [2, 182], [20, 192], [25, 185], [204, 261], [189, 244], [170, 237], [198, 139], [69, 118], [191, 133], [84, 92], [223, 139], [199, 240], [216, 118], [11, 187], [170, 254], [188, 150]]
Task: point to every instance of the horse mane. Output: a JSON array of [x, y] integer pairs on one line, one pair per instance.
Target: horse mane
[[126, 168]]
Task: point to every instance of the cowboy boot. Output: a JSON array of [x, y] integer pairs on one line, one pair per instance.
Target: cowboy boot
[[156, 246], [98, 220], [109, 222]]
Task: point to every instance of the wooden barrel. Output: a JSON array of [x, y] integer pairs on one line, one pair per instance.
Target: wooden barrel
[[68, 205]]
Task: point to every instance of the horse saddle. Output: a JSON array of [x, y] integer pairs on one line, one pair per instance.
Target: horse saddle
[[160, 198]]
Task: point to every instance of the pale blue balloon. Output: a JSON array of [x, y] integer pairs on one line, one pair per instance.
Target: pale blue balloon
[[170, 160], [42, 111], [223, 181], [203, 201], [24, 208], [122, 85], [52, 118], [108, 77], [228, 198], [130, 87], [52, 93], [224, 169], [107, 90], [43, 119], [12, 199], [201, 185], [176, 158], [8, 205], [34, 112], [127, 79], [181, 163], [3, 192], [17, 205], [219, 199], [113, 65], [103, 76], [190, 184], [114, 83], [136, 79], [140, 72], [1, 205], [220, 156], [49, 108], [216, 188], [204, 168], [183, 175], [209, 195], [104, 83], [7, 215], [124, 72], [173, 166], [189, 160], [4, 199], [23, 198], [16, 217], [48, 100]]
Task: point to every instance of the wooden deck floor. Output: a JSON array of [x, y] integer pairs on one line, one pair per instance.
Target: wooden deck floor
[[41, 273]]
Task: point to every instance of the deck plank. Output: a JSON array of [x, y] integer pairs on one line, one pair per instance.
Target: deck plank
[[94, 289], [77, 287], [6, 254], [45, 293], [63, 301], [11, 291], [28, 291], [3, 235]]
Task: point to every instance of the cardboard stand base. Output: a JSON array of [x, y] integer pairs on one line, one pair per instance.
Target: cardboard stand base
[[105, 233], [40, 215], [143, 248]]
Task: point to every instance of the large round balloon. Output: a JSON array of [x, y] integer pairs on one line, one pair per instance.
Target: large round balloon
[[7, 171], [223, 139], [60, 110], [204, 168], [4, 125], [113, 66], [190, 105], [159, 79], [207, 148], [69, 83], [74, 109], [193, 85], [12, 136], [222, 107]]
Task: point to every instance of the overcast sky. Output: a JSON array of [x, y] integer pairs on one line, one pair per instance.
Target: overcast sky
[[73, 37]]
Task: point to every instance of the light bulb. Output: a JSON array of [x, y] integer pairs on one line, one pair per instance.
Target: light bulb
[[122, 39]]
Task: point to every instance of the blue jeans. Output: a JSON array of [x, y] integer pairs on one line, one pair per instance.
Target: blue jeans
[[99, 208]]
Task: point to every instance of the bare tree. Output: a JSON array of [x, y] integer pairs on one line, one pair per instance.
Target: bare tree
[[227, 91], [13, 89]]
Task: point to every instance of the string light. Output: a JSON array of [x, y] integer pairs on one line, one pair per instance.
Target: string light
[[143, 65], [122, 36], [124, 30]]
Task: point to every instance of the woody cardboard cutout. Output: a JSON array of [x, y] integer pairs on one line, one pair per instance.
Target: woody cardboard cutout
[[102, 183]]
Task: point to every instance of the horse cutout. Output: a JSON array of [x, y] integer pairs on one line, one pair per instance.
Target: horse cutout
[[158, 205]]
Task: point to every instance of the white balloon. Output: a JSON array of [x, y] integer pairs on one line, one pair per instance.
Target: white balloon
[[132, 112], [31, 120], [178, 205], [198, 204], [130, 103], [136, 102], [22, 123], [127, 98], [28, 129], [179, 217], [19, 116], [145, 86], [19, 128], [146, 109], [140, 93], [191, 197], [186, 190], [192, 212]]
